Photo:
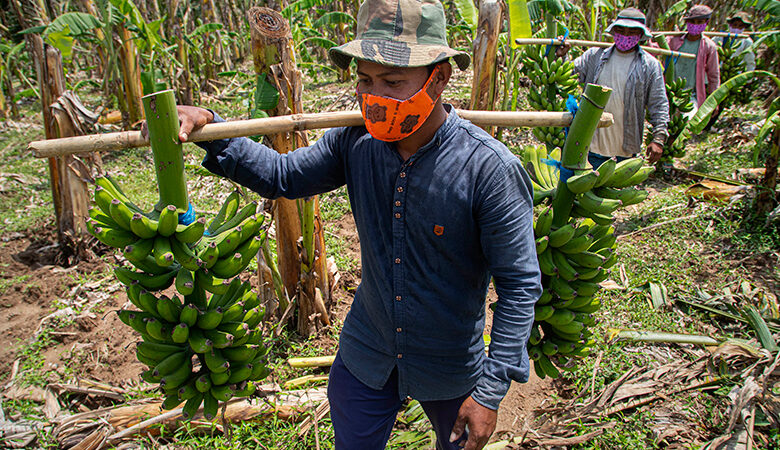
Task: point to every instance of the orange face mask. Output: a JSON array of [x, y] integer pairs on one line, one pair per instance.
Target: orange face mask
[[390, 120]]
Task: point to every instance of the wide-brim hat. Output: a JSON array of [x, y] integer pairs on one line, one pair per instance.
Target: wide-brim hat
[[741, 16], [631, 18], [698, 12], [399, 33]]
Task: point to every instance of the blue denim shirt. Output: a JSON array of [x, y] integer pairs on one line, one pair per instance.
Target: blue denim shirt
[[433, 230]]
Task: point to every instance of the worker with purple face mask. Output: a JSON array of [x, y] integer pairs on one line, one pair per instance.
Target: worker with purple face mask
[[638, 89], [702, 74]]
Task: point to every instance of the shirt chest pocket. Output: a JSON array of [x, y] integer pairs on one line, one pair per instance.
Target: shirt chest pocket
[[440, 219]]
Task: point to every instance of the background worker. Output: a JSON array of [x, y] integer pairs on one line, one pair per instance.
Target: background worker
[[637, 83], [739, 22], [440, 207], [702, 74]]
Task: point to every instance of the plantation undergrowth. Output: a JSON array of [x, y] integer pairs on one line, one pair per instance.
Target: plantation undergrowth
[[713, 246]]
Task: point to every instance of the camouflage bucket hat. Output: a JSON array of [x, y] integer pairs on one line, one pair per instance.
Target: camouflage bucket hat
[[399, 33]]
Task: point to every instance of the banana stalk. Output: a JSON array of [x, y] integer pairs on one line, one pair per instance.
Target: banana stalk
[[574, 155], [163, 122]]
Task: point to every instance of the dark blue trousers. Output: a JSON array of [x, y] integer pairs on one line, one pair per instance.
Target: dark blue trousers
[[363, 417]]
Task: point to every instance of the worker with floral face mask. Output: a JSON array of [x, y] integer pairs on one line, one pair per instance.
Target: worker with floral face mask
[[702, 74], [638, 89], [441, 208]]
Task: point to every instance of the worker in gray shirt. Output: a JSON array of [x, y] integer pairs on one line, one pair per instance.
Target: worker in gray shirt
[[637, 84]]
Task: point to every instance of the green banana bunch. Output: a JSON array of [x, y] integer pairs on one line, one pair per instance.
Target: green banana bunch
[[576, 257], [552, 81], [202, 345], [679, 103]]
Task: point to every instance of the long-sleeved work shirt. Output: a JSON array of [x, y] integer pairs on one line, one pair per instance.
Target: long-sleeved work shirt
[[707, 66], [433, 230], [742, 45], [645, 90]]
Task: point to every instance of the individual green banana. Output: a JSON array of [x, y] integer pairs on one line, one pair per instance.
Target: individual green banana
[[157, 351], [189, 315], [169, 365], [121, 214], [560, 317], [185, 256], [138, 250], [241, 373], [148, 282], [208, 254], [629, 195], [226, 212], [148, 303], [601, 219], [576, 245], [237, 329], [562, 288], [546, 263], [222, 393], [229, 297], [250, 227], [624, 170], [253, 317], [234, 312], [185, 281], [188, 391], [548, 367], [228, 266], [219, 378], [215, 361], [169, 309], [640, 176], [162, 251], [585, 288], [112, 237], [248, 250], [219, 339], [107, 182], [543, 222], [227, 241], [177, 378], [607, 241], [240, 354], [142, 226], [191, 233], [593, 203], [157, 329], [149, 265], [548, 348], [259, 371], [198, 342], [561, 236], [247, 211], [565, 270], [100, 219], [103, 199], [583, 182], [210, 318], [210, 406], [248, 296], [169, 219], [543, 312], [203, 383], [605, 170], [211, 283], [133, 292], [180, 333], [545, 298]]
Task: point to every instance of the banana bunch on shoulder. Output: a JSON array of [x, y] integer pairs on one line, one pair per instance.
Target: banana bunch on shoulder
[[679, 103], [576, 257], [204, 350], [204, 347]]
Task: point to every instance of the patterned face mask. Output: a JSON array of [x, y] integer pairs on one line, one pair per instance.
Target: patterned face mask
[[695, 29], [390, 120], [625, 43]]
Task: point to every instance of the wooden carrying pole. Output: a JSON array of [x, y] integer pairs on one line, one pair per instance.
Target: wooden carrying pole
[[282, 124], [657, 51]]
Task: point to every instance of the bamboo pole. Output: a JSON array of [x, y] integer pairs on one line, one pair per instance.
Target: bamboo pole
[[316, 361], [163, 123], [714, 34], [284, 124], [657, 51]]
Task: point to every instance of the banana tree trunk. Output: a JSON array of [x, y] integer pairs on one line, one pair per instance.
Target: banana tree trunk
[[182, 81], [304, 272], [70, 194], [131, 77], [485, 45], [88, 6]]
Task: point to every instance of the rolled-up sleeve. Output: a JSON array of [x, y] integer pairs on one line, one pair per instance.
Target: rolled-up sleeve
[[505, 219], [304, 172]]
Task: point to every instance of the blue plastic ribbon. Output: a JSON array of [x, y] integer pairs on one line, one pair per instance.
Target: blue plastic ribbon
[[565, 173], [572, 106], [552, 41], [188, 217]]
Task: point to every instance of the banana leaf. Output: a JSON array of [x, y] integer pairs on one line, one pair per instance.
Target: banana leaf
[[672, 11], [333, 18], [519, 20], [205, 28], [702, 116], [266, 95], [317, 41], [468, 12]]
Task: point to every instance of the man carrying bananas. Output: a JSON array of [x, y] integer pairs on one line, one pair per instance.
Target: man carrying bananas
[[703, 73], [440, 208], [739, 22], [637, 83]]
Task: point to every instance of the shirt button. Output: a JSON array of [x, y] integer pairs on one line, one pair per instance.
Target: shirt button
[[398, 298], [398, 260], [398, 330], [397, 203], [400, 355], [397, 215], [402, 175], [400, 189]]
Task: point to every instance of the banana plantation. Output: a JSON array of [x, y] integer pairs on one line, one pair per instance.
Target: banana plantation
[[162, 287]]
